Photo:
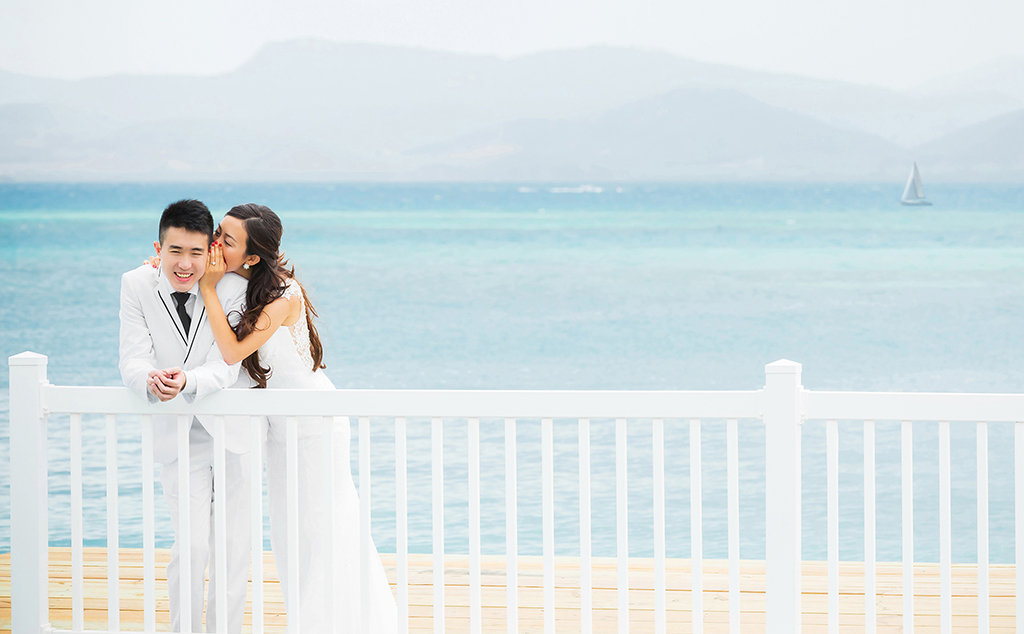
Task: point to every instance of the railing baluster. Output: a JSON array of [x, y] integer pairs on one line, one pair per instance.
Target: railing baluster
[[1018, 519], [733, 469], [945, 528], [658, 453], [832, 501], [907, 494], [292, 548], [437, 480], [475, 598], [548, 521], [220, 528], [184, 525], [256, 519], [870, 619], [364, 521], [113, 548], [402, 525], [696, 530], [511, 531], [586, 589], [77, 568], [622, 525], [982, 528], [329, 532], [148, 528]]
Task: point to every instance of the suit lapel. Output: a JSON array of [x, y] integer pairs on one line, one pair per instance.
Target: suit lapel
[[187, 340], [170, 311], [196, 325]]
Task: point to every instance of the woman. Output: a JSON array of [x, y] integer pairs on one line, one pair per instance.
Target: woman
[[279, 347]]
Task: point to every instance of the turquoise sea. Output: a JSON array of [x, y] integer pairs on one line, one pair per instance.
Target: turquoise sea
[[611, 286]]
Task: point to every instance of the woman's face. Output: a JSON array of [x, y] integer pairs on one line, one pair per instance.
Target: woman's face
[[232, 236]]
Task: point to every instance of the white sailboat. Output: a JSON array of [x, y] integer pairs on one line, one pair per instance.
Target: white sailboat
[[913, 194]]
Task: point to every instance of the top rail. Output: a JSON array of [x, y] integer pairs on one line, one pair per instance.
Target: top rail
[[817, 405], [411, 403], [914, 406]]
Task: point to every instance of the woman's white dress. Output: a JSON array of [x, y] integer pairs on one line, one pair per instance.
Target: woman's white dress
[[287, 354]]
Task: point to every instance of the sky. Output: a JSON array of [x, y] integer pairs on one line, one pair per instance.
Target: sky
[[894, 43]]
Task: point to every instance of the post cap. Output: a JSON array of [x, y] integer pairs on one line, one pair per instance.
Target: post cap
[[783, 366], [27, 358]]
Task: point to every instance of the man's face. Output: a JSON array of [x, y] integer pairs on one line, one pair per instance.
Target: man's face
[[182, 257]]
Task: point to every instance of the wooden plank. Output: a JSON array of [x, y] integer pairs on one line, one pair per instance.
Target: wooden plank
[[678, 599]]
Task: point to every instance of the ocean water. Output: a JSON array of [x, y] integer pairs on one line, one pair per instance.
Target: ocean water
[[656, 286]]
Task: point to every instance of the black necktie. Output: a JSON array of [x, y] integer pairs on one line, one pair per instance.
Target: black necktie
[[179, 300]]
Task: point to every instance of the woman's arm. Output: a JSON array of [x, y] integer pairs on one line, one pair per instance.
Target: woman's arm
[[273, 315]]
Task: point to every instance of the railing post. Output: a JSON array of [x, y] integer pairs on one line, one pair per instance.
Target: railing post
[[782, 419], [30, 605]]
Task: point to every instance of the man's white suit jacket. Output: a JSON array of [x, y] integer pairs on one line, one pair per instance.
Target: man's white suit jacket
[[153, 338]]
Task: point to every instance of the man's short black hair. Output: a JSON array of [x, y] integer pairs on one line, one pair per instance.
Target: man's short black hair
[[190, 215]]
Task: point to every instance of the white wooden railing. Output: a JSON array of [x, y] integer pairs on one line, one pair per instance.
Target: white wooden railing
[[783, 404]]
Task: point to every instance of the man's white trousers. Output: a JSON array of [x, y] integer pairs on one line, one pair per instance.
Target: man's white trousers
[[236, 492]]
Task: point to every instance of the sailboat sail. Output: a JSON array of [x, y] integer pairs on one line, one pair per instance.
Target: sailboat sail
[[913, 193]]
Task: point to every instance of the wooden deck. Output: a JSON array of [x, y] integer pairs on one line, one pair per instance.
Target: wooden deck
[[567, 597]]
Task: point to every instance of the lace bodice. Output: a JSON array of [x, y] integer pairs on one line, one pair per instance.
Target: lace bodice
[[300, 329], [287, 352]]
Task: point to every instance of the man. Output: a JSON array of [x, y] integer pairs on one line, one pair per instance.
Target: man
[[167, 349]]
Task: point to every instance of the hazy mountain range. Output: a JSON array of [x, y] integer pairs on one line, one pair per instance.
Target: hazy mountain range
[[313, 110]]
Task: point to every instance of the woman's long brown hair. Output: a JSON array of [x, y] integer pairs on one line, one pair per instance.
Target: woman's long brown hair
[[268, 282]]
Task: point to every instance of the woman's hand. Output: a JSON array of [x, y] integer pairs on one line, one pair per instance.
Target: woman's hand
[[215, 268], [153, 261]]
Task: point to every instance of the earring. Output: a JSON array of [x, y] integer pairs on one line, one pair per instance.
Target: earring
[[246, 266]]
